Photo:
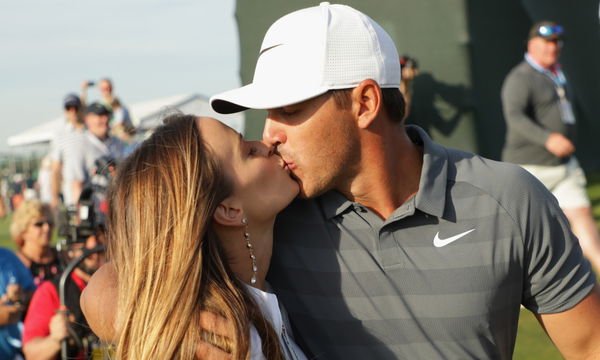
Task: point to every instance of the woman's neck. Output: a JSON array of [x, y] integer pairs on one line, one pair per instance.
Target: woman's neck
[[35, 254], [238, 255]]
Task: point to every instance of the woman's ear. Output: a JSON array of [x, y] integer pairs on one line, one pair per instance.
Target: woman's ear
[[229, 213]]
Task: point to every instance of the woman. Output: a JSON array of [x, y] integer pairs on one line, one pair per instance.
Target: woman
[[34, 262], [190, 230], [31, 229]]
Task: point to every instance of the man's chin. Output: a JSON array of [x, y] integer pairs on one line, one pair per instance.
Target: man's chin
[[307, 193], [88, 270]]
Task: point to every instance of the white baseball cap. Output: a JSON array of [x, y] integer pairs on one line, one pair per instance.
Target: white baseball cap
[[310, 51]]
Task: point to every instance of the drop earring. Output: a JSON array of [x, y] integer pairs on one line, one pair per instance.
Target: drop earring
[[251, 250]]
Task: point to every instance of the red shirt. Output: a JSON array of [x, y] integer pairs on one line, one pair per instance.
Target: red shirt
[[42, 308]]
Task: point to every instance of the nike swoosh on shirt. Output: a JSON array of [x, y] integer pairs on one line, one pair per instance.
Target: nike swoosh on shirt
[[437, 242]]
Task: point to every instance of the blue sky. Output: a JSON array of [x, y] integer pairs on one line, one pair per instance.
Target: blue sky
[[149, 48]]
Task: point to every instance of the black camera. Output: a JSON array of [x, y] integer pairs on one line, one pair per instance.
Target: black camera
[[80, 221]]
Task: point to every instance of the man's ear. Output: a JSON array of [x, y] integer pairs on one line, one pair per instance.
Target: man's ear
[[229, 213], [367, 99]]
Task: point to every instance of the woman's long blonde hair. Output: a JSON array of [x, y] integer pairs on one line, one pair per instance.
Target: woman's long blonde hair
[[169, 263]]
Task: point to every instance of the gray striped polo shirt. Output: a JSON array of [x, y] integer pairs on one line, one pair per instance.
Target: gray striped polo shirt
[[442, 278]]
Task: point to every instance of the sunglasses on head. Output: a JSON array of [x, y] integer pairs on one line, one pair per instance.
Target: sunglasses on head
[[547, 30], [41, 223]]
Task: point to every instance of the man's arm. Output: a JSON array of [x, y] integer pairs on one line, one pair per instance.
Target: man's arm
[[48, 347], [516, 96], [576, 332], [76, 189], [10, 314], [55, 182], [44, 328]]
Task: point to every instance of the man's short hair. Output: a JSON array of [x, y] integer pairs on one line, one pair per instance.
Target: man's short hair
[[393, 101]]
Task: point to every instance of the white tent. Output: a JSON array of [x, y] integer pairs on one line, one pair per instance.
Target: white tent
[[145, 116]]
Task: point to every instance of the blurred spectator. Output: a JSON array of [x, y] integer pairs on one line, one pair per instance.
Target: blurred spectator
[[45, 328], [4, 208], [44, 181], [3, 211], [29, 192], [16, 287], [120, 121], [96, 143], [63, 147], [409, 69], [31, 229], [121, 125], [17, 191], [540, 136]]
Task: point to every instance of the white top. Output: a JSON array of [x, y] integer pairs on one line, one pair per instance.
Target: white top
[[65, 149], [83, 154], [275, 314]]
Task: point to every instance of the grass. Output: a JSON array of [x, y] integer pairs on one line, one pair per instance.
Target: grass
[[532, 341], [5, 239]]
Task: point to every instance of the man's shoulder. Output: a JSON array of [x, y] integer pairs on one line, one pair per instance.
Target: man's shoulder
[[7, 254], [67, 133], [519, 72], [10, 261], [46, 293], [507, 183]]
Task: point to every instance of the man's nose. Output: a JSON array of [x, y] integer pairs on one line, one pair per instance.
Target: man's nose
[[273, 133]]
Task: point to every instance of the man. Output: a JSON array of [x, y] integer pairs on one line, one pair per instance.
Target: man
[[46, 327], [403, 248], [408, 70], [407, 249], [540, 134], [120, 120], [95, 144], [61, 150]]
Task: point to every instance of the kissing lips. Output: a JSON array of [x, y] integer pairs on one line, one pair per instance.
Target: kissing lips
[[289, 167]]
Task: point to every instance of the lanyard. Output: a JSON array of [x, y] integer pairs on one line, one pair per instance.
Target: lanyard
[[567, 115], [558, 78]]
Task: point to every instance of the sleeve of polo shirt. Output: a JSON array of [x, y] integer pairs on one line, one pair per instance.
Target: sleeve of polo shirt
[[556, 275], [516, 97]]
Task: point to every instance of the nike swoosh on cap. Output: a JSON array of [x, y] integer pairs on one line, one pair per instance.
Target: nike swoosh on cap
[[267, 49], [438, 242]]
